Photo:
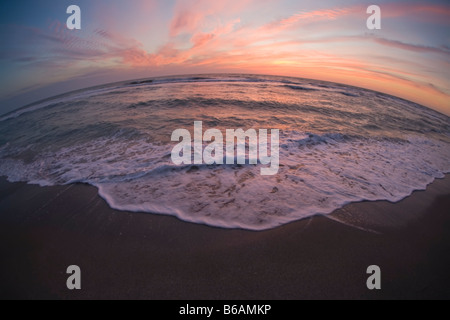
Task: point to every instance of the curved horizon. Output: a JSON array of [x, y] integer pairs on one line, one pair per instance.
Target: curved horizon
[[408, 58], [328, 147], [6, 115]]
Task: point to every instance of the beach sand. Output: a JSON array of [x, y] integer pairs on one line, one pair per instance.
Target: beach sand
[[122, 255]]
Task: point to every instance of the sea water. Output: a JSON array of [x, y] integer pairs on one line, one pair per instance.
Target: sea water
[[338, 144]]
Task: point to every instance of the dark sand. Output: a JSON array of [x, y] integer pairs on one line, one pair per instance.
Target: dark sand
[[144, 256]]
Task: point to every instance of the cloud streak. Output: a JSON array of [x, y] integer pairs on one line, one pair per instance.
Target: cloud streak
[[412, 47], [221, 36]]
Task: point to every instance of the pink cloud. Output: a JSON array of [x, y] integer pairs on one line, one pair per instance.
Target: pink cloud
[[317, 15], [421, 11], [307, 17], [219, 41], [201, 38], [191, 16]]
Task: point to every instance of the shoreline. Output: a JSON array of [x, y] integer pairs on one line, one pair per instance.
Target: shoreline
[[351, 214], [126, 255]]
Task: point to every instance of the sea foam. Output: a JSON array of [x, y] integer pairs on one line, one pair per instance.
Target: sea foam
[[335, 148]]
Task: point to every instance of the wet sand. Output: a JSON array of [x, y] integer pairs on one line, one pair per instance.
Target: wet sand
[[125, 255]]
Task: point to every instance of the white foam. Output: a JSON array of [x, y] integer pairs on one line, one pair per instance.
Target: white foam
[[318, 174]]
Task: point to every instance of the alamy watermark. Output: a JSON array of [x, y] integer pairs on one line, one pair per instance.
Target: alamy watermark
[[374, 281], [236, 147], [374, 21], [74, 280], [74, 20]]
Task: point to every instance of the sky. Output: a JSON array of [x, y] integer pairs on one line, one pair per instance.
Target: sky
[[326, 40]]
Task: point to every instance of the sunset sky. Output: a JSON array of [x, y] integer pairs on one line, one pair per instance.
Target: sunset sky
[[327, 40]]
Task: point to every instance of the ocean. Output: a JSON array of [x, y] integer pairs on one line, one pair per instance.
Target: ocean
[[338, 144]]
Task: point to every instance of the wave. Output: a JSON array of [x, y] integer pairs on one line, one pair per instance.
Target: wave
[[318, 174], [338, 144], [57, 101], [293, 84]]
